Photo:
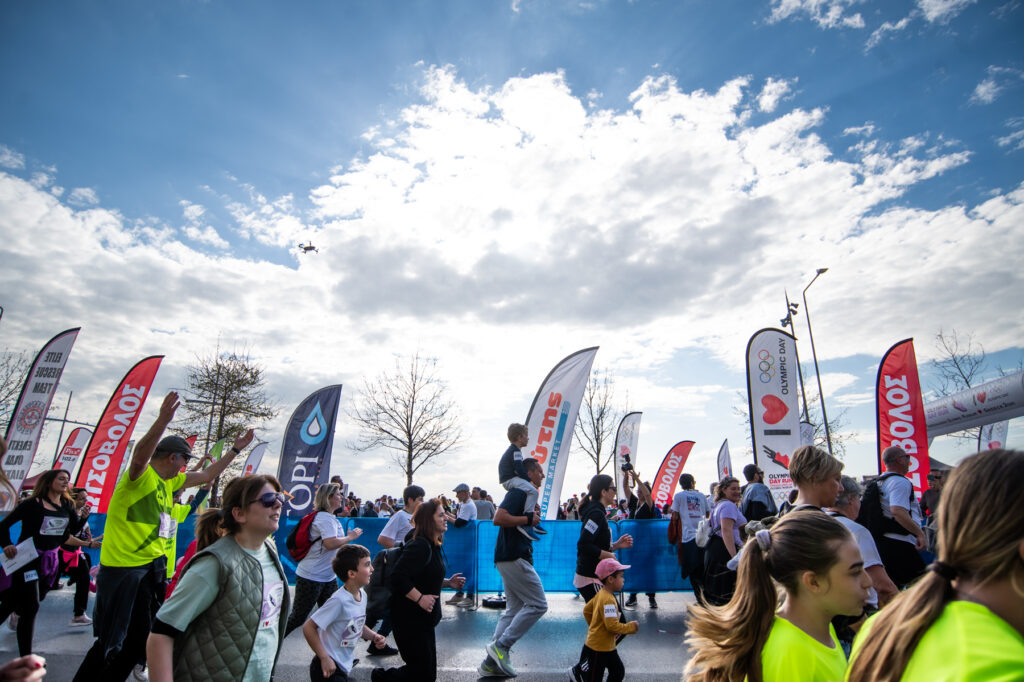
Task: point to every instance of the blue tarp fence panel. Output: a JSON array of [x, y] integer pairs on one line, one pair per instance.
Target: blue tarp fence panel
[[470, 550]]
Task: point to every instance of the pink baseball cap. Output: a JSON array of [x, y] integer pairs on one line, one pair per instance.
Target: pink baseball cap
[[608, 566]]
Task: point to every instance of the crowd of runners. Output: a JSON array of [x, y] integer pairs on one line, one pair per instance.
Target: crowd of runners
[[800, 593]]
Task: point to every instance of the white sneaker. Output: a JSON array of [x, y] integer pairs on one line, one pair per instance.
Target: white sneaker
[[12, 622], [81, 620], [140, 673]]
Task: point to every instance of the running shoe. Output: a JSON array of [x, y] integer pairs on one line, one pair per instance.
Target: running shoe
[[140, 673], [630, 603], [385, 651], [466, 603], [539, 529], [653, 601], [528, 532], [500, 656], [456, 598], [12, 622], [490, 669], [574, 673], [81, 620]]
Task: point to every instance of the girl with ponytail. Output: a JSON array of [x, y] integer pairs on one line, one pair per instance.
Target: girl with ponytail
[[816, 560], [964, 619]]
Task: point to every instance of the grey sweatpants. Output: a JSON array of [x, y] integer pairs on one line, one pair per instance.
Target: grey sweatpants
[[524, 601], [525, 486]]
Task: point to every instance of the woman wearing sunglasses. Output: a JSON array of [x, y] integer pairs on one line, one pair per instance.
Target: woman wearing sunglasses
[[226, 618]]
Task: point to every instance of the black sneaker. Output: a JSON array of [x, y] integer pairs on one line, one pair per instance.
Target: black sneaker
[[540, 531], [654, 602], [574, 673], [631, 602], [378, 674], [386, 651]]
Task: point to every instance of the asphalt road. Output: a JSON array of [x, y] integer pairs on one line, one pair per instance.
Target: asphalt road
[[545, 653]]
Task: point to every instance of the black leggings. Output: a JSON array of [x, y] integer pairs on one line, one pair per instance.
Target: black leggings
[[416, 642], [308, 593], [23, 598], [595, 663]]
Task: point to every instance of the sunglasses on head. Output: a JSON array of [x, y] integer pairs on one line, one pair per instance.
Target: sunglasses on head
[[268, 500]]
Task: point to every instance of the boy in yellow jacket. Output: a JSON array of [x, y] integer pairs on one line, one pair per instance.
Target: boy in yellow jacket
[[602, 614]]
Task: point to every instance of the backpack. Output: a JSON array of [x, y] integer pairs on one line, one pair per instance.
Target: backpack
[[378, 591], [300, 540], [703, 532], [871, 516]]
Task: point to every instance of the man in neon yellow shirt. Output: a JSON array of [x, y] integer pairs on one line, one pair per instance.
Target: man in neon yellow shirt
[[130, 584]]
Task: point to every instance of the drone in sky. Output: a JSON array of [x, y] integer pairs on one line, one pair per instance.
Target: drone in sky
[[306, 248]]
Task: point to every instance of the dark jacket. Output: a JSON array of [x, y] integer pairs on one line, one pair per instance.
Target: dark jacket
[[420, 566], [510, 466], [595, 537], [32, 513]]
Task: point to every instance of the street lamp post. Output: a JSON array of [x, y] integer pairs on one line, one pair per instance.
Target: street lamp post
[[787, 321], [817, 372]]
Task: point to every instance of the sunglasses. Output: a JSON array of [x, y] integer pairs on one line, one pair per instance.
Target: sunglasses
[[268, 500]]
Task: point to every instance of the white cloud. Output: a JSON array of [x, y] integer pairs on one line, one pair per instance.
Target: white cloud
[[999, 79], [1015, 138], [887, 28], [774, 90], [196, 230], [825, 13], [942, 10], [866, 130], [83, 196], [274, 223], [11, 159]]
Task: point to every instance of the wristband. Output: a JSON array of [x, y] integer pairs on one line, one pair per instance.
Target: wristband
[[235, 450]]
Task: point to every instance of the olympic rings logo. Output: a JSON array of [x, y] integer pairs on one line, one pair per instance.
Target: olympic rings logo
[[766, 365]]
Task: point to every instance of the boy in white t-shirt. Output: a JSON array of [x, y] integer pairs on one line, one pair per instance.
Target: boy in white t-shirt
[[332, 632]]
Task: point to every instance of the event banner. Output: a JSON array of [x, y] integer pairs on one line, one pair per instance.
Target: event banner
[[806, 433], [252, 462], [993, 436], [664, 485], [551, 420], [29, 414], [900, 416], [308, 442], [724, 460], [774, 407], [626, 439], [74, 446], [993, 401], [109, 442]]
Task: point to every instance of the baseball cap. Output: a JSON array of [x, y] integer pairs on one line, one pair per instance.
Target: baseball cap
[[608, 566], [176, 445], [462, 488]]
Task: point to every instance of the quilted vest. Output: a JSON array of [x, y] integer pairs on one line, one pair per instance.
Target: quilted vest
[[216, 646]]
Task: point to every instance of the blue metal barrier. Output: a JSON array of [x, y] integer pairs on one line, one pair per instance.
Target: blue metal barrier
[[470, 550]]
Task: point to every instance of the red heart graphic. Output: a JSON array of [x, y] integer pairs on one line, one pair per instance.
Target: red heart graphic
[[981, 396], [774, 409]]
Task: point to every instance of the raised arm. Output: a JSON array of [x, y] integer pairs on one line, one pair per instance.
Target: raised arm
[[214, 470], [146, 446]]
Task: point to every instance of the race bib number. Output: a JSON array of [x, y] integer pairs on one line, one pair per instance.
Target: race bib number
[[53, 525], [167, 525], [610, 611], [30, 576], [590, 526]]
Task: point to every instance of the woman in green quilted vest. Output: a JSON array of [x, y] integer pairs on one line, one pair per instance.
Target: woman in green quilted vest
[[225, 620]]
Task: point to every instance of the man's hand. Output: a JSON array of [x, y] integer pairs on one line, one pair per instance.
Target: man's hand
[[243, 440], [169, 407], [10, 551], [920, 542], [379, 640], [457, 581]]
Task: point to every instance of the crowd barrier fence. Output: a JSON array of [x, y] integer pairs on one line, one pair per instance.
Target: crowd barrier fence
[[470, 550]]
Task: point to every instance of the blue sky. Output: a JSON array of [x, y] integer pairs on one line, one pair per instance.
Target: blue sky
[[512, 180]]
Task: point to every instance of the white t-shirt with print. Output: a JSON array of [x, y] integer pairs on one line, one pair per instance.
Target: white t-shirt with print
[[898, 491], [316, 565], [398, 526], [691, 506], [340, 621]]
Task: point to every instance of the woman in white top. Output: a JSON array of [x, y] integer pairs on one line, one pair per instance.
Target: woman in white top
[[315, 581]]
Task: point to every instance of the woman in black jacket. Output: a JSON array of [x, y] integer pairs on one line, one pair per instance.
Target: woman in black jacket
[[416, 583], [48, 517], [595, 541]]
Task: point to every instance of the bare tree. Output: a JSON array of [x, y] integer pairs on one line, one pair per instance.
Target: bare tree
[[598, 419], [409, 413], [226, 394], [960, 366], [14, 366]]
